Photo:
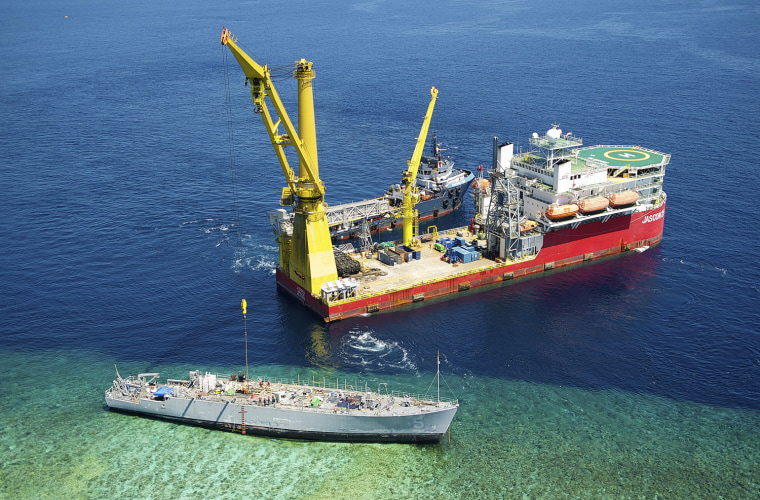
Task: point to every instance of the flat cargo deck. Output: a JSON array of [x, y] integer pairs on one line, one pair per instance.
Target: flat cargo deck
[[428, 268]]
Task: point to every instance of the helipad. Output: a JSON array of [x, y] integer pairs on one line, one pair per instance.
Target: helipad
[[622, 156]]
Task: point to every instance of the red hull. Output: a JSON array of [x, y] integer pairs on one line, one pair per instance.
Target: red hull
[[560, 248]]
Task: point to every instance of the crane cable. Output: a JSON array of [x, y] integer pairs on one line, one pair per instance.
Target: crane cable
[[238, 226]]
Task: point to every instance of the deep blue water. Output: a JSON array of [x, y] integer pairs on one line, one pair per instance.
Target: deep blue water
[[120, 240]]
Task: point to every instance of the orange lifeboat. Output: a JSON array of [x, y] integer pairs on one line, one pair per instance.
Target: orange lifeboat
[[481, 184], [590, 205], [528, 226], [623, 199], [556, 212]]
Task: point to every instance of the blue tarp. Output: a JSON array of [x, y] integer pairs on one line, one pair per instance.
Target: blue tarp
[[163, 391]]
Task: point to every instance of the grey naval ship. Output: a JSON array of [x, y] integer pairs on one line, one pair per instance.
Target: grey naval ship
[[330, 412]]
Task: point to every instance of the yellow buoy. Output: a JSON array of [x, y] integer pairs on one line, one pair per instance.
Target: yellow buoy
[[244, 305]]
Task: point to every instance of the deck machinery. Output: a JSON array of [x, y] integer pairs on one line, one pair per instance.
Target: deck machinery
[[411, 192]]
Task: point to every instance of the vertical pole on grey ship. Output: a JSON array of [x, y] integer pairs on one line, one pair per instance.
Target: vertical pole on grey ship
[[244, 307], [438, 376]]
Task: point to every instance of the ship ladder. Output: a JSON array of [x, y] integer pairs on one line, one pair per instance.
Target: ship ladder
[[242, 418]]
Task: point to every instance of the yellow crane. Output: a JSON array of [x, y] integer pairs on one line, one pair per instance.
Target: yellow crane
[[306, 256], [411, 193]]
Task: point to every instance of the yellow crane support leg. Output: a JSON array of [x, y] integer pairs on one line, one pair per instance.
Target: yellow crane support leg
[[312, 261]]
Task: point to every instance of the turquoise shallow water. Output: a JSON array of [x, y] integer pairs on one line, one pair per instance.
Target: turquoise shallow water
[[510, 439]]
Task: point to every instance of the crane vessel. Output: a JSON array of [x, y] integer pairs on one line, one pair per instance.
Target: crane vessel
[[556, 204]]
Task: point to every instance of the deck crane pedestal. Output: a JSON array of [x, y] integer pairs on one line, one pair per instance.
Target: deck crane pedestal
[[306, 255], [411, 193]]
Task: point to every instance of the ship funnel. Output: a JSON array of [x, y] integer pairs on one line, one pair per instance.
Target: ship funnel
[[504, 156], [495, 163]]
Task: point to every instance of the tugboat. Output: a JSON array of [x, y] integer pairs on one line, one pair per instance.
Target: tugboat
[[441, 186]]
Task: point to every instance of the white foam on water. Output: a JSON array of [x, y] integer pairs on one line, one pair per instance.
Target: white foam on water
[[362, 348], [250, 254]]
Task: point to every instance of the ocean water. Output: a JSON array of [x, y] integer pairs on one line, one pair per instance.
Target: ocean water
[[634, 377]]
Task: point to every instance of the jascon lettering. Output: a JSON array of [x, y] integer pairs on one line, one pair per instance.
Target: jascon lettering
[[652, 218]]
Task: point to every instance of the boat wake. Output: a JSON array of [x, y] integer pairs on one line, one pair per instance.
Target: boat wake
[[248, 253], [255, 263], [362, 349], [255, 256]]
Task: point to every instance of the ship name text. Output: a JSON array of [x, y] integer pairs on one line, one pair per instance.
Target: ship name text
[[653, 217]]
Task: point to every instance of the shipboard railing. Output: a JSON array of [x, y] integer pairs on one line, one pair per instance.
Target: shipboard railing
[[359, 210], [327, 385]]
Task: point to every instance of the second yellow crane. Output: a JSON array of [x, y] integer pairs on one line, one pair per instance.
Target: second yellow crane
[[411, 193]]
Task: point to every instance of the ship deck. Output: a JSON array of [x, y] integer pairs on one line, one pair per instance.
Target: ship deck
[[427, 269]]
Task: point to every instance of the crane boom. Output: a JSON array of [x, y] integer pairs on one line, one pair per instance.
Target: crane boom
[[306, 255], [411, 195], [261, 88]]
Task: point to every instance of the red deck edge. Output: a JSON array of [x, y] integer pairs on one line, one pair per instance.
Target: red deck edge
[[560, 248]]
